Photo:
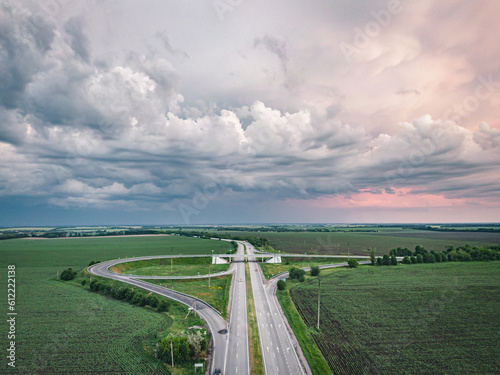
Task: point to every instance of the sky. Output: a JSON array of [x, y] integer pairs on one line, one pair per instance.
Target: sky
[[247, 111]]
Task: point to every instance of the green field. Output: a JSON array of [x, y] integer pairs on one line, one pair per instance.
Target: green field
[[417, 319], [61, 328], [170, 267], [359, 243], [359, 240]]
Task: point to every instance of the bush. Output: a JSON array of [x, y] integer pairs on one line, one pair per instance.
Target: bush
[[153, 301], [394, 261], [93, 262], [315, 271], [386, 260], [281, 285], [420, 258], [413, 259], [163, 306], [297, 274], [406, 260], [353, 263], [380, 262], [68, 274], [84, 281]]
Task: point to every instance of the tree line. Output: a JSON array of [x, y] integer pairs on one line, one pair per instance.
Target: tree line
[[465, 253]]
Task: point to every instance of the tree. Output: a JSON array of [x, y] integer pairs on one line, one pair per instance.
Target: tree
[[406, 260], [413, 259], [380, 262], [386, 260], [444, 258], [353, 263], [297, 274], [420, 258], [163, 306], [394, 261], [153, 301], [281, 285], [68, 274], [372, 256], [315, 271]]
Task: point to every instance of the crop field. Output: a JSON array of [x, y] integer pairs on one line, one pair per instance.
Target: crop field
[[168, 267], [419, 319], [360, 242], [61, 328]]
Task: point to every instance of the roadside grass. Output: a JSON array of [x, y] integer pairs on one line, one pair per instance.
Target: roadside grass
[[256, 362], [168, 267], [314, 357], [217, 295], [415, 319]]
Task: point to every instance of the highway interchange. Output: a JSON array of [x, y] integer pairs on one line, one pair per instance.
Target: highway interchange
[[280, 350]]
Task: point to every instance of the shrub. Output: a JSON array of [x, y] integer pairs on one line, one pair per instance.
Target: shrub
[[281, 285], [315, 271], [84, 281], [297, 274], [413, 259], [420, 258], [406, 260], [386, 260], [380, 262], [394, 261], [163, 305], [353, 263], [153, 301], [68, 274]]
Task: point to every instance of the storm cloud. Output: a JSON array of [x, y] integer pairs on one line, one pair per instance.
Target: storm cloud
[[185, 119]]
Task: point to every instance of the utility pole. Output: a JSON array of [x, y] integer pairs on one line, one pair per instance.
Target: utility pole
[[319, 299], [209, 275], [348, 251], [171, 258], [172, 351]]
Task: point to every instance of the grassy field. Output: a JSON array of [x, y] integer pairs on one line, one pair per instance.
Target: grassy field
[[164, 267], [418, 319], [61, 328], [217, 295]]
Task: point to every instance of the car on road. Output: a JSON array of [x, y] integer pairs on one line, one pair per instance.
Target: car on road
[[217, 372], [241, 280]]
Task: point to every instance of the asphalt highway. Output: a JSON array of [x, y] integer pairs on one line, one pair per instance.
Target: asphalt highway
[[278, 351], [237, 355]]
